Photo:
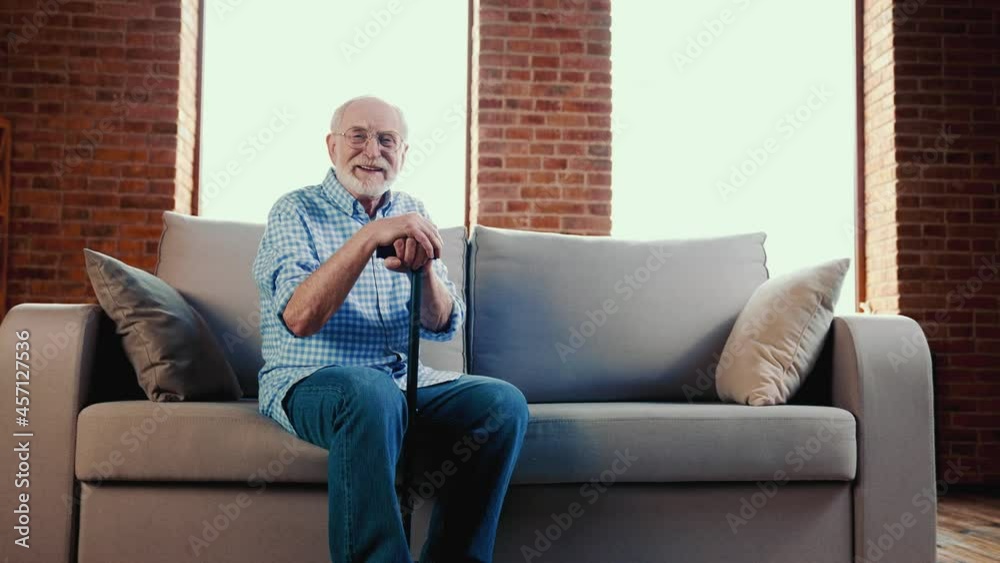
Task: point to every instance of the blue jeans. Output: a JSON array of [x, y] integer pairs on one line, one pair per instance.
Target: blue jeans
[[475, 423]]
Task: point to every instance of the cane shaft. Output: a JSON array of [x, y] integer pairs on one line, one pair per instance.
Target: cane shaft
[[412, 368]]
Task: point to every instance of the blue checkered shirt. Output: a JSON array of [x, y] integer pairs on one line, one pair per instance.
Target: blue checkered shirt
[[304, 228]]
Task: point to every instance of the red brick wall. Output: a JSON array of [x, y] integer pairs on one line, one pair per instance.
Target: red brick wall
[[541, 115], [933, 245], [102, 102]]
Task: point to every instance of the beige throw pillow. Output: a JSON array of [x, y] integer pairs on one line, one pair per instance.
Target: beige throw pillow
[[175, 355], [779, 334]]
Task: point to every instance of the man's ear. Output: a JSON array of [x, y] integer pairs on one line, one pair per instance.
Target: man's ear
[[330, 144]]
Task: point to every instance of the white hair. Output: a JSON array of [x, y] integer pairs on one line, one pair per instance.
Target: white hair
[[338, 115]]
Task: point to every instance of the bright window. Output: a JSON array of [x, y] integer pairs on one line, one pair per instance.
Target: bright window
[[732, 116], [274, 72]]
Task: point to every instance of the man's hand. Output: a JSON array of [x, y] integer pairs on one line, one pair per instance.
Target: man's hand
[[316, 299], [403, 232], [409, 256], [412, 254]]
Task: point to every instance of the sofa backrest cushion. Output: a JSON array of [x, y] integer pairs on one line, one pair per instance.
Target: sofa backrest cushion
[[209, 262], [573, 318]]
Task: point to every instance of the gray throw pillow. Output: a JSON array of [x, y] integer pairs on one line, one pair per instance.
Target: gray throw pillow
[[175, 355]]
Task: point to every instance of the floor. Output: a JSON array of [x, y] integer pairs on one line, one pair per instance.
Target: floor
[[969, 527]]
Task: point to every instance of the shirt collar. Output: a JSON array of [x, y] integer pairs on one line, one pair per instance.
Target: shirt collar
[[347, 202]]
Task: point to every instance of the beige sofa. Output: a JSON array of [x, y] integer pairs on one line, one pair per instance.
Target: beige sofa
[[629, 458]]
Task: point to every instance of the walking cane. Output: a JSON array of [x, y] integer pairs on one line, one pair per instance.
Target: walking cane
[[412, 363]]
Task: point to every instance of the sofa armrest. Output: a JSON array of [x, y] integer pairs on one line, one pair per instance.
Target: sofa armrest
[[62, 343], [882, 375]]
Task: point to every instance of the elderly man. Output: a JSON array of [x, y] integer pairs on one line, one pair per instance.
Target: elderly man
[[334, 327]]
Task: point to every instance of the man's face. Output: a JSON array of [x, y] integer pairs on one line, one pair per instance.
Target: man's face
[[370, 169]]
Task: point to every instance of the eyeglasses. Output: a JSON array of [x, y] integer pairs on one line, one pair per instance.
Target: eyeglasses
[[357, 138]]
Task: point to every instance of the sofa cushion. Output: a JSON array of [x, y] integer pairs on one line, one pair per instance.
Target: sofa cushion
[[175, 355], [565, 443], [209, 262], [779, 335], [575, 318], [577, 442], [231, 441]]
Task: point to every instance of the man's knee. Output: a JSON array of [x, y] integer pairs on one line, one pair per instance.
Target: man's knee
[[510, 408]]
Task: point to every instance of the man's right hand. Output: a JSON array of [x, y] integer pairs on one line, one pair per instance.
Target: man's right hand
[[387, 231]]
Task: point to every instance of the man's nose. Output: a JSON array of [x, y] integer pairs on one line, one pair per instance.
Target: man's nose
[[372, 148]]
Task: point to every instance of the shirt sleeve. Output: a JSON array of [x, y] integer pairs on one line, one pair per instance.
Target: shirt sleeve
[[457, 316], [287, 256]]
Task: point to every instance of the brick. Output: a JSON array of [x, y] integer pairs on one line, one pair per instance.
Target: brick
[[588, 135], [559, 207], [505, 221], [545, 177], [556, 33], [545, 222], [490, 162], [589, 225], [555, 163], [523, 163], [548, 134], [541, 192]]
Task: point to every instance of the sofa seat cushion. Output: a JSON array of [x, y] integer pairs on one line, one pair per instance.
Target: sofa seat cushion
[[670, 442], [194, 441], [565, 443]]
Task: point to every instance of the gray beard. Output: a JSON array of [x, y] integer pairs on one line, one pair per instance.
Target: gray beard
[[354, 184]]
